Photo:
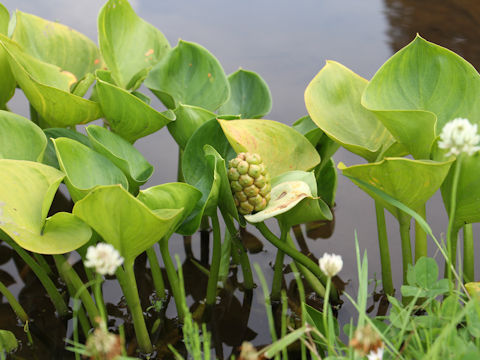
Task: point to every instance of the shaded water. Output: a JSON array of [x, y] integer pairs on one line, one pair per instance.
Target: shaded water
[[287, 45]]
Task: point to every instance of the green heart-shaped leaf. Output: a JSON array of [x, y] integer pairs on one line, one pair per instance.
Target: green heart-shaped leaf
[[129, 45], [123, 154], [333, 101], [327, 182], [309, 129], [249, 96], [293, 200], [50, 156], [467, 204], [85, 169], [173, 195], [201, 171], [56, 44], [190, 75], [188, 120], [20, 138], [419, 89], [47, 89], [124, 221], [128, 115], [281, 147], [26, 193], [412, 182], [7, 85]]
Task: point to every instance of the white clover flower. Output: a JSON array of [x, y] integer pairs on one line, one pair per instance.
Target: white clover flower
[[376, 354], [459, 136], [104, 258], [330, 264]]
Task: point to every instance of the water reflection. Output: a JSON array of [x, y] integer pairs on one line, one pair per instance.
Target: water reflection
[[453, 24]]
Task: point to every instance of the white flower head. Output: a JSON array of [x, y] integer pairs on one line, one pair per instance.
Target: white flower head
[[104, 258], [459, 136], [376, 354], [330, 264]]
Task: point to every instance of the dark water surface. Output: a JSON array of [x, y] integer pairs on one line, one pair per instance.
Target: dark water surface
[[287, 43]]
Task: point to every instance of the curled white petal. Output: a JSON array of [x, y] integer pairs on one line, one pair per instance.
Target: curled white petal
[[104, 258], [459, 136], [330, 264]]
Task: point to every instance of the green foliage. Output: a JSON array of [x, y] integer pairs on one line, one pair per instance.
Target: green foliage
[[8, 342], [423, 280]]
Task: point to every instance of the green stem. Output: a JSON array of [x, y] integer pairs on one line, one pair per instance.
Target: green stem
[[156, 273], [452, 230], [278, 267], [216, 257], [421, 244], [404, 221], [312, 280], [40, 273], [128, 283], [16, 307], [325, 315], [69, 275], [43, 263], [387, 279], [97, 291], [172, 277], [294, 254], [180, 177], [240, 249], [468, 254]]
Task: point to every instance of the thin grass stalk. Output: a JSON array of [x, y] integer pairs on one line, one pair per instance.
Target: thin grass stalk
[[278, 266], [241, 252], [70, 276], [468, 254], [301, 295], [14, 304], [421, 244], [127, 281], [216, 258], [294, 254], [156, 273], [325, 314], [172, 276], [452, 230], [40, 273], [387, 280], [283, 326], [404, 221]]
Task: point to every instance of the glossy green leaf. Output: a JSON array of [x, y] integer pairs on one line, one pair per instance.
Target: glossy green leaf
[[50, 156], [189, 75], [129, 45], [26, 193], [293, 200], [309, 129], [7, 85], [412, 182], [85, 169], [249, 96], [20, 138], [172, 195], [188, 120], [327, 182], [127, 115], [8, 341], [333, 101], [123, 154], [467, 201], [419, 89], [47, 89], [124, 221], [56, 44], [281, 148], [200, 170]]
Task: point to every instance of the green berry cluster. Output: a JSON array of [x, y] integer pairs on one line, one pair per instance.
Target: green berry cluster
[[250, 183]]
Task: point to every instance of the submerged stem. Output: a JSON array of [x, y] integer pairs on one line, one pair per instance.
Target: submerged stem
[[129, 287], [383, 246], [216, 257], [278, 267], [468, 254]]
